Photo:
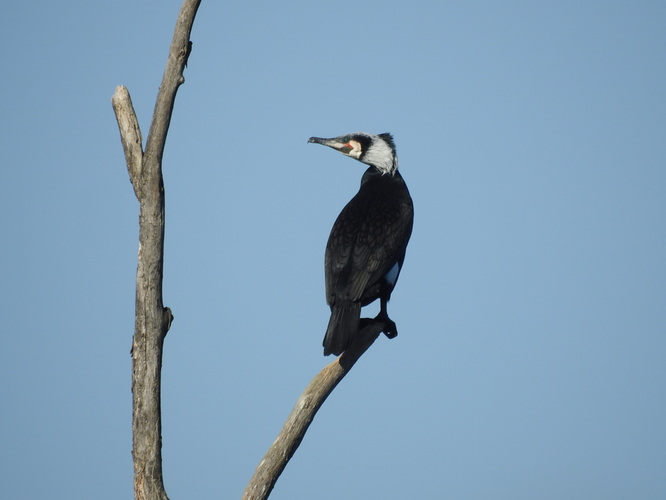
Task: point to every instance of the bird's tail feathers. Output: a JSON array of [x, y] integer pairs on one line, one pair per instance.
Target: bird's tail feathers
[[342, 327]]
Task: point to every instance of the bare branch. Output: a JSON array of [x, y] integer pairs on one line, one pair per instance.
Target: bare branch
[[152, 319], [283, 448], [130, 134], [173, 78]]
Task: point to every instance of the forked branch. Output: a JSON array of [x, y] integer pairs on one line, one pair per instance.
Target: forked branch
[[152, 319]]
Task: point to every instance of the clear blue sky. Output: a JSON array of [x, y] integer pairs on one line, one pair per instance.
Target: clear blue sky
[[532, 306]]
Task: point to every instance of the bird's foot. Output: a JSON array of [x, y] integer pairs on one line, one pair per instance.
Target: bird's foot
[[390, 328]]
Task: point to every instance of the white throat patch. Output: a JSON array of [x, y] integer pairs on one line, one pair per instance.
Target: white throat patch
[[381, 156]]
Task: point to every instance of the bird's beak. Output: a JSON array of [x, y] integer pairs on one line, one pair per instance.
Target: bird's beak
[[334, 143]]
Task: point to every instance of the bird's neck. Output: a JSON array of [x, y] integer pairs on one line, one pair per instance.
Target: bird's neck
[[374, 174], [383, 159]]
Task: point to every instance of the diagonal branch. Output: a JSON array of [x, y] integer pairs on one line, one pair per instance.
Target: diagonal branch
[[283, 448], [152, 319]]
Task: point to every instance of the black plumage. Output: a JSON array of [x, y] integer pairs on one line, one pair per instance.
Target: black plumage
[[366, 247]]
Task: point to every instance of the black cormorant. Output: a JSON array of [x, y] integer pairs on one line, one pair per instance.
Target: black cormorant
[[366, 248]]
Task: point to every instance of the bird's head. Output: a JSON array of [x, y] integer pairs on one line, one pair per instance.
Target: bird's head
[[375, 150]]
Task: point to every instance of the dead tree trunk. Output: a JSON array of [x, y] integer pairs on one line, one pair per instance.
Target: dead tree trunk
[[152, 319]]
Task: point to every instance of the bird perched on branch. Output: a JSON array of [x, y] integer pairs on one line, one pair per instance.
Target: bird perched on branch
[[367, 245]]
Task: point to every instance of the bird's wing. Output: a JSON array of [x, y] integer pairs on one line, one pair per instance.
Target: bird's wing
[[339, 253], [381, 243], [365, 243]]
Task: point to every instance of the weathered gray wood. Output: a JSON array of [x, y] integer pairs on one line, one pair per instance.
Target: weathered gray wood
[[152, 319], [283, 448], [130, 134]]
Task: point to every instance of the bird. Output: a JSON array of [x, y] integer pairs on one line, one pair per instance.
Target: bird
[[366, 248]]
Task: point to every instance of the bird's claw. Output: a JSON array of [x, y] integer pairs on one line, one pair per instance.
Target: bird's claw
[[390, 328]]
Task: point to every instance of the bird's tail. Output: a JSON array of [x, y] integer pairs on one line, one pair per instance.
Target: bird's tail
[[342, 327]]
